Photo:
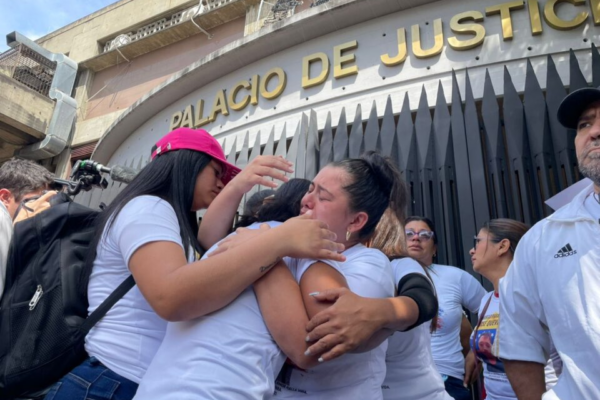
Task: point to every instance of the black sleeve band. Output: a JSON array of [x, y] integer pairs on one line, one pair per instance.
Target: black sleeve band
[[418, 288]]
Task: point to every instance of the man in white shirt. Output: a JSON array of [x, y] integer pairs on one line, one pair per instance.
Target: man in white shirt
[[551, 292], [20, 180]]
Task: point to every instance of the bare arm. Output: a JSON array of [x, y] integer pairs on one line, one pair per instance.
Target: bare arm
[[286, 307], [218, 219], [526, 378], [465, 335], [179, 291]]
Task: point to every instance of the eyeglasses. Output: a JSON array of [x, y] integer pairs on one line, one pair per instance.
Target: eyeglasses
[[476, 240], [422, 235]]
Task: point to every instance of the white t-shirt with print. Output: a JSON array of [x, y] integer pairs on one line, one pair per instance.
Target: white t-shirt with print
[[455, 289], [411, 372], [353, 376], [486, 348], [128, 336], [227, 354]]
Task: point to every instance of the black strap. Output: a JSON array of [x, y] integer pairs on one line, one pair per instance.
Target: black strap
[[107, 304]]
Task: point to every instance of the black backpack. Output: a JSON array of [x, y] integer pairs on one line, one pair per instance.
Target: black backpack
[[43, 311]]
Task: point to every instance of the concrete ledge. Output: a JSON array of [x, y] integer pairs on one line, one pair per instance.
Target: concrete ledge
[[307, 25], [16, 104], [170, 35]]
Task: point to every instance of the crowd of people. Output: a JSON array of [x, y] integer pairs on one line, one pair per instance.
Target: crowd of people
[[326, 290]]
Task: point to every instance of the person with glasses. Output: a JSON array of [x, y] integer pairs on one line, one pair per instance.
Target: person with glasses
[[20, 181], [491, 255], [455, 289]]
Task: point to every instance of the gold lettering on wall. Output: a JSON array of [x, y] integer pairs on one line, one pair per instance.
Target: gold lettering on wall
[[556, 22], [595, 6], [175, 120], [307, 81], [188, 117], [199, 116], [233, 94], [219, 106], [402, 51], [254, 92], [457, 25], [438, 36], [282, 82], [340, 61], [504, 10], [535, 18]]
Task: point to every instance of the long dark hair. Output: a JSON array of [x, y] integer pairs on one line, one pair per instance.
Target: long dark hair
[[253, 204], [285, 203], [375, 185], [172, 177]]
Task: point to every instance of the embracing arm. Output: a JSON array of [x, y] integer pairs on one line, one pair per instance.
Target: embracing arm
[[179, 291], [286, 307], [526, 379], [218, 219], [355, 324]]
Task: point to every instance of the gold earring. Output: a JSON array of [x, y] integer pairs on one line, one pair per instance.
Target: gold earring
[[348, 234]]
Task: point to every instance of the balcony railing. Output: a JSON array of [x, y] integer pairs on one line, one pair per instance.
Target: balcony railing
[[164, 23], [29, 68]]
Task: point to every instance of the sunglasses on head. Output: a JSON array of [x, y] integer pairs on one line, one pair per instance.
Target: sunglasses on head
[[423, 235]]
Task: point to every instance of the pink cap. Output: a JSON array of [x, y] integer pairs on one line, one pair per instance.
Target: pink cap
[[198, 140]]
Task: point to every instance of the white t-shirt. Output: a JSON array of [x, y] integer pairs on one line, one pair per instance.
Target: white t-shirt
[[228, 354], [128, 336], [455, 289], [486, 348], [411, 372], [352, 376], [6, 232]]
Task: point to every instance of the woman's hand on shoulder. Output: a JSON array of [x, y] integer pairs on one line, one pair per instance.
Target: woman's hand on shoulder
[[306, 237], [259, 171]]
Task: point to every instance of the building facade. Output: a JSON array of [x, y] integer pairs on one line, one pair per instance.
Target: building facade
[[461, 94]]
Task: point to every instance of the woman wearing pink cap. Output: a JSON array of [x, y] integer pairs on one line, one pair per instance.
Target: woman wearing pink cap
[[150, 231]]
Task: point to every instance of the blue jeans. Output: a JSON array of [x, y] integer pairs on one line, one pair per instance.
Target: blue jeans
[[456, 390], [92, 381]]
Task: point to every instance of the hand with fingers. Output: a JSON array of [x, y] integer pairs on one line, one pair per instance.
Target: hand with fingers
[[242, 235], [472, 369], [34, 206], [259, 171], [306, 237], [344, 326]]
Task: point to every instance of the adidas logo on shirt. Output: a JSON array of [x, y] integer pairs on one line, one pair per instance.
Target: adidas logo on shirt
[[566, 251]]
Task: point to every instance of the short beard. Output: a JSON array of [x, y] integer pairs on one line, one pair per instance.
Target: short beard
[[591, 169]]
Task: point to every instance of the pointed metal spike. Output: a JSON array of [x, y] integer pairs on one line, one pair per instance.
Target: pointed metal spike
[[577, 80], [441, 127], [372, 130], [232, 151], [595, 66], [387, 136], [242, 159], [356, 138], [256, 148], [270, 146], [326, 153], [282, 143], [312, 147], [340, 141], [302, 132]]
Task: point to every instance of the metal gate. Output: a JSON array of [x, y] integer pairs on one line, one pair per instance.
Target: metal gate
[[464, 164]]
